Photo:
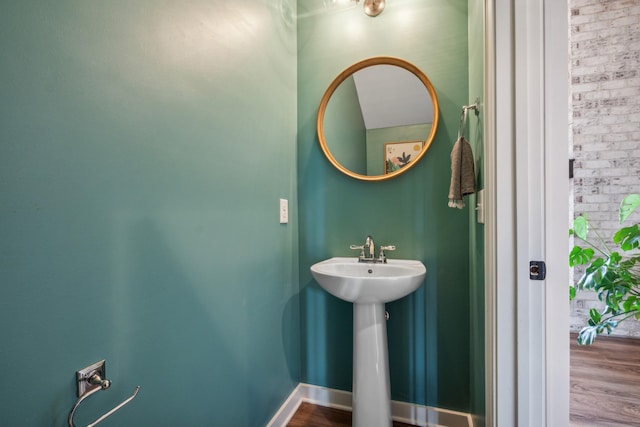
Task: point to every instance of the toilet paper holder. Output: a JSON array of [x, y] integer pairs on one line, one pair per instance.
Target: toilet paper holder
[[91, 380]]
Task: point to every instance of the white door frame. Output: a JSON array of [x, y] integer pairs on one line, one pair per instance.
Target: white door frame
[[527, 212]]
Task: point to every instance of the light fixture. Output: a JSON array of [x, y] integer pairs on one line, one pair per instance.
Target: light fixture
[[373, 7]]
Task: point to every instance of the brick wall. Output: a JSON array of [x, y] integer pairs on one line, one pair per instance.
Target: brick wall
[[605, 86]]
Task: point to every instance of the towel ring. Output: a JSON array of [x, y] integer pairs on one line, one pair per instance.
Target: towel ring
[[463, 116]]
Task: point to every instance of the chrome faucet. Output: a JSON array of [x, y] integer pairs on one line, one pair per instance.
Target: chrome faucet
[[368, 251], [369, 247]]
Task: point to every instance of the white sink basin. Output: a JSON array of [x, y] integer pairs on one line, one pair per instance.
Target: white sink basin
[[370, 286], [359, 282]]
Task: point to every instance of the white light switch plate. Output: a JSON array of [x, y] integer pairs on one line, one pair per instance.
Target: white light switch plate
[[284, 211], [480, 206]]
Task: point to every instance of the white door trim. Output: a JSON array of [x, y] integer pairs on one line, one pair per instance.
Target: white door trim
[[557, 214], [527, 212], [500, 321]]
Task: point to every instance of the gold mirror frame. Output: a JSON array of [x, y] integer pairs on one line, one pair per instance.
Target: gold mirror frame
[[381, 60]]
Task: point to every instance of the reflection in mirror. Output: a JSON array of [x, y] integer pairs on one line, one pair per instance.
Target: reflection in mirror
[[377, 118]]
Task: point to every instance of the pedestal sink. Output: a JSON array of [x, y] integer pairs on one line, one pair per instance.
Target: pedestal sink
[[369, 286]]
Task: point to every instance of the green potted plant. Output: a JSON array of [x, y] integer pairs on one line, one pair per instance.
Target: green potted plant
[[614, 274]]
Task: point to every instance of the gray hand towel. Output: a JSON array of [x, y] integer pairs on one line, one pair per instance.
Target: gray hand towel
[[463, 175]]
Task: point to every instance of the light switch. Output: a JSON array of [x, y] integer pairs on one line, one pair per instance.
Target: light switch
[[480, 206], [284, 211]]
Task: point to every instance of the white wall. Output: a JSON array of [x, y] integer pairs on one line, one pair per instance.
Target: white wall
[[605, 85]]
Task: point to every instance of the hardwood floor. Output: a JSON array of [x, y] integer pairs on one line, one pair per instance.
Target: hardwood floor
[[605, 383], [605, 389], [309, 415]]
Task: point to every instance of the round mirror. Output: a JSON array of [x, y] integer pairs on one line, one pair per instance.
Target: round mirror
[[377, 118]]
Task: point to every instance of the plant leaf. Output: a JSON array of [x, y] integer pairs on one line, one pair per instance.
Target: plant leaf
[[581, 227], [579, 256], [630, 304], [613, 275], [628, 205], [628, 237], [587, 335], [592, 277], [611, 325]]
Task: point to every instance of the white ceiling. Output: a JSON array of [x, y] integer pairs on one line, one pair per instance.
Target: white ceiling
[[392, 96]]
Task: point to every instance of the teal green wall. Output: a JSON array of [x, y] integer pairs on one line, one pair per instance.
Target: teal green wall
[[345, 131], [143, 148], [476, 231], [429, 331]]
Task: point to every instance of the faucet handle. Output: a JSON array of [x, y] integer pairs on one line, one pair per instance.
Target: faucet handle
[[382, 257], [359, 248]]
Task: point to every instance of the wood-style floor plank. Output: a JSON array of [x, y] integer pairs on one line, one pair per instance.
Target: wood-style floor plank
[[309, 415], [605, 389], [605, 383]]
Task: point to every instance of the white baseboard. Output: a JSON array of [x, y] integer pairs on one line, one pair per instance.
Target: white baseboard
[[418, 415]]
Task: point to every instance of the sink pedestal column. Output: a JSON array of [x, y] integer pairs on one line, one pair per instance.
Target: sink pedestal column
[[371, 386]]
